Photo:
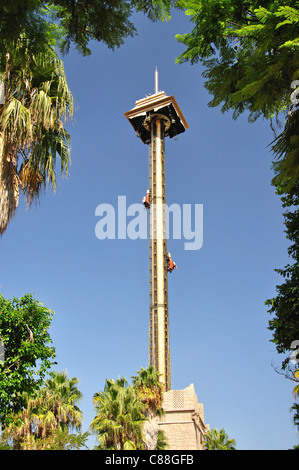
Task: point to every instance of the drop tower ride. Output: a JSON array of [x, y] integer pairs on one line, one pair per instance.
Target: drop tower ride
[[153, 118]]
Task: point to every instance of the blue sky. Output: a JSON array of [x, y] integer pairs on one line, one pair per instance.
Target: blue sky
[[99, 288]]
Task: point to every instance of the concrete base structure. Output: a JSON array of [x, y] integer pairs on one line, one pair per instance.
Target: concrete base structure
[[183, 421]]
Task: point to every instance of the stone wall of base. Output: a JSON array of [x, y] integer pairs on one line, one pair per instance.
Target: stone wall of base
[[183, 421]]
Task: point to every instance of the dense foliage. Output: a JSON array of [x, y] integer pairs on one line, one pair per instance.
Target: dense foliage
[[249, 51], [250, 56], [76, 21], [47, 417], [28, 354], [119, 419], [218, 440], [126, 414], [37, 99], [285, 306]]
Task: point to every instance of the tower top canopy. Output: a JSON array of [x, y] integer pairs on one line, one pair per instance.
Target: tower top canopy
[[160, 103]]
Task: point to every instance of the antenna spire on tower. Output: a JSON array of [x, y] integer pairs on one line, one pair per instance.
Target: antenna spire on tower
[[156, 80]]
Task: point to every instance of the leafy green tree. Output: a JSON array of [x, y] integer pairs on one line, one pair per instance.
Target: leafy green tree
[[120, 416], [28, 354], [254, 48], [249, 51], [20, 19], [285, 306], [63, 440], [286, 153], [218, 440], [77, 21], [161, 441], [37, 97]]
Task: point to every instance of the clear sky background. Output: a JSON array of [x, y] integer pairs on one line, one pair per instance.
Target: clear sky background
[[99, 289]]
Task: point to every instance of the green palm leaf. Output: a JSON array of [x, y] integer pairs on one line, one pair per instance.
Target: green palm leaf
[[32, 133]]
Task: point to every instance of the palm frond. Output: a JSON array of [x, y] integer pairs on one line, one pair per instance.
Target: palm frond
[[37, 103]]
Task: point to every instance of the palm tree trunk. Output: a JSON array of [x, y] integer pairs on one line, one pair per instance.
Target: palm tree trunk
[[9, 186], [150, 431]]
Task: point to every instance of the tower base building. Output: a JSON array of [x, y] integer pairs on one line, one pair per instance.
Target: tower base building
[[183, 422]]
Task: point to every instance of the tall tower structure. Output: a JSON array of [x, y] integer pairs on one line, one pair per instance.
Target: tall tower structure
[[153, 118]]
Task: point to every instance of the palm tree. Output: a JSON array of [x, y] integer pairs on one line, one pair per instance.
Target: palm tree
[[161, 441], [20, 430], [37, 100], [53, 408], [57, 405], [218, 440], [150, 390], [119, 418]]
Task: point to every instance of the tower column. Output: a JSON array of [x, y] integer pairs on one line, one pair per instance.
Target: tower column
[[159, 324], [153, 118]]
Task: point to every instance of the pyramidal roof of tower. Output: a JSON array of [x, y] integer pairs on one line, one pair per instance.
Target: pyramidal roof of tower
[[157, 103], [154, 103], [150, 99]]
